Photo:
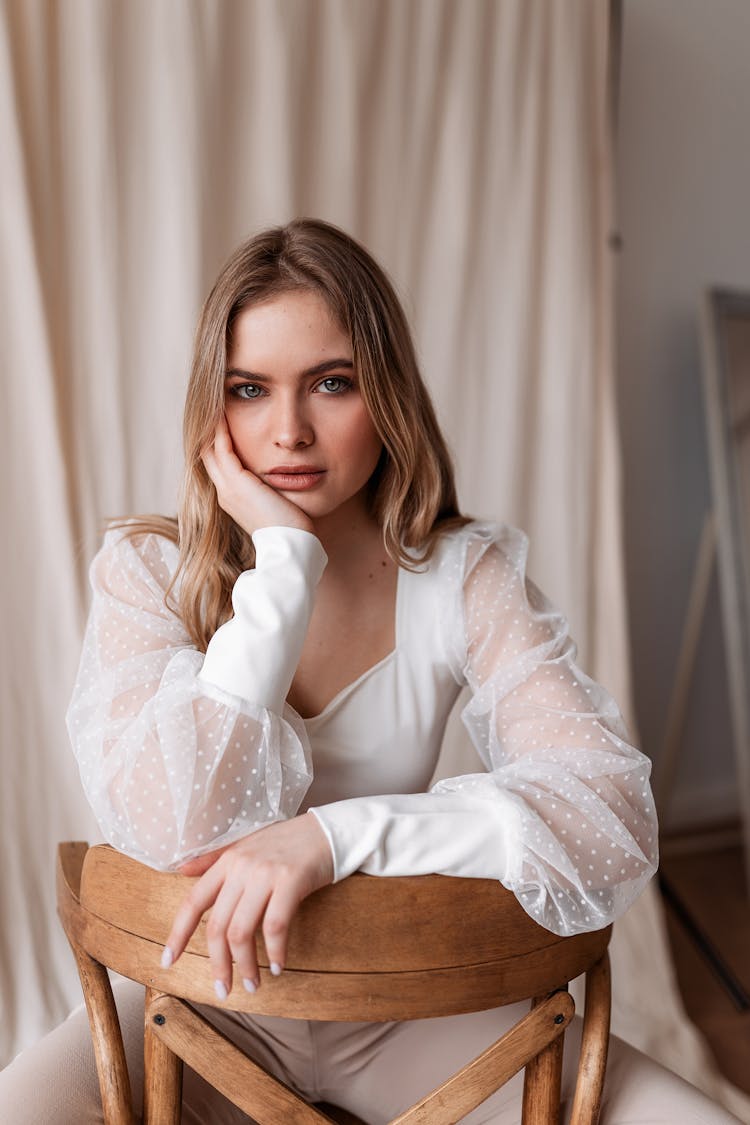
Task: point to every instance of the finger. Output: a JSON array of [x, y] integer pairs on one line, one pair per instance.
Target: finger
[[221, 440], [220, 466], [219, 953], [220, 427], [241, 936], [189, 913], [280, 910], [224, 453], [208, 457], [222, 437]]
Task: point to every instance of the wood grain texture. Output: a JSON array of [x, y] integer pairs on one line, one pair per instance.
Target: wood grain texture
[[204, 1048], [333, 995], [358, 924], [162, 1087], [542, 1080], [592, 1062], [355, 926], [468, 946], [109, 1051]]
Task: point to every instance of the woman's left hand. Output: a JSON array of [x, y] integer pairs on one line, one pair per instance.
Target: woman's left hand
[[256, 883]]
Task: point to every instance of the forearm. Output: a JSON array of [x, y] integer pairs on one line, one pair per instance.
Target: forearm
[[419, 834], [255, 654]]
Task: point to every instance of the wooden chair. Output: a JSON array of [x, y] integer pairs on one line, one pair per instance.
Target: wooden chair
[[468, 946]]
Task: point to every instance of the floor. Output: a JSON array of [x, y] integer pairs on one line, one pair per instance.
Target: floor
[[708, 919]]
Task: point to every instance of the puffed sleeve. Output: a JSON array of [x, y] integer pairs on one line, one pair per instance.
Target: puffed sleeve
[[181, 753], [564, 815], [584, 841]]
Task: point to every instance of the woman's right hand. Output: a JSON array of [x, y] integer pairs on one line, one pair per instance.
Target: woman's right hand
[[258, 881], [248, 500]]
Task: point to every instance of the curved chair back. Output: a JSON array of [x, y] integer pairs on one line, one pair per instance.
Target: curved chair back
[[467, 946]]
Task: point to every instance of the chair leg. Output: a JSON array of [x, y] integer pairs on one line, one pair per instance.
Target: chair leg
[[162, 1081], [594, 1044], [114, 1080], [206, 1050], [111, 1068], [542, 1082]]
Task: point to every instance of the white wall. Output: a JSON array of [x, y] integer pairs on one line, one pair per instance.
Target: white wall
[[683, 182]]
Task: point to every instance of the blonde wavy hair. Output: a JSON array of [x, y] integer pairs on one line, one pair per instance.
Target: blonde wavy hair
[[412, 491]]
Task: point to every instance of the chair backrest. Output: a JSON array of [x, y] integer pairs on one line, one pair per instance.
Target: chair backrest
[[468, 946]]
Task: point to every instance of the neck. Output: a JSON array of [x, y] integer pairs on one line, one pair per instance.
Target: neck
[[348, 530]]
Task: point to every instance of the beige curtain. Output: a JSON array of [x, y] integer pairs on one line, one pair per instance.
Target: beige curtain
[[464, 141]]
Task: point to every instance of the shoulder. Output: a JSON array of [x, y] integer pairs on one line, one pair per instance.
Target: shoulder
[[478, 547], [483, 572], [137, 561], [473, 571], [493, 611]]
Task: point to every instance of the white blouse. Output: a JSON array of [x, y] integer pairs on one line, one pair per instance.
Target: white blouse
[[181, 753]]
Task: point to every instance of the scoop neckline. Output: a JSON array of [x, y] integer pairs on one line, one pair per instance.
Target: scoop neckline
[[347, 690]]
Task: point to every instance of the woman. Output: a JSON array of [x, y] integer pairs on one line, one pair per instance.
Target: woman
[[265, 684]]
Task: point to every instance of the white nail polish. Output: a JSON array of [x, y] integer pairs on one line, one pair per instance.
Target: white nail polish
[[220, 989], [275, 969], [250, 985], [167, 957]]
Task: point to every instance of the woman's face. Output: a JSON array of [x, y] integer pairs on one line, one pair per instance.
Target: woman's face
[[293, 404]]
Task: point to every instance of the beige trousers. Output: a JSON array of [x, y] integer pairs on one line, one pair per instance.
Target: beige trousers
[[373, 1070]]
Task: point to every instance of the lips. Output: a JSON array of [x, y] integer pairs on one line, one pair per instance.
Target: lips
[[294, 478]]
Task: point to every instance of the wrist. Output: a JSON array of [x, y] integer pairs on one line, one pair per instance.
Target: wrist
[[297, 520], [322, 848]]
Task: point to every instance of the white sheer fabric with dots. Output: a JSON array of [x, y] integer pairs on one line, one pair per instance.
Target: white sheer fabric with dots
[[170, 764], [554, 743], [176, 760]]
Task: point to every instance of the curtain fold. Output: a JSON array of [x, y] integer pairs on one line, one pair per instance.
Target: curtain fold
[[466, 144]]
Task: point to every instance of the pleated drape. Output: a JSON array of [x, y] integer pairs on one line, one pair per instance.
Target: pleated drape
[[466, 143]]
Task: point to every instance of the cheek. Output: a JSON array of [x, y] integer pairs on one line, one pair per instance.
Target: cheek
[[364, 442]]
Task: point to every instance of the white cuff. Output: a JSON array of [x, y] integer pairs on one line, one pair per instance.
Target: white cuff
[[255, 654], [419, 834]]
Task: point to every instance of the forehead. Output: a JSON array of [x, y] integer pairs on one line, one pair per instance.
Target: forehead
[[292, 326]]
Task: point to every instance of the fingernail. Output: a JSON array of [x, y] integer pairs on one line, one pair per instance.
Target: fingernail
[[250, 985], [220, 989], [167, 957], [275, 969]]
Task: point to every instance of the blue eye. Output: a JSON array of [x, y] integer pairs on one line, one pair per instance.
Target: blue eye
[[246, 390], [335, 385]]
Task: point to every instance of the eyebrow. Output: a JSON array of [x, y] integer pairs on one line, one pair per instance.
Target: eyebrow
[[318, 369]]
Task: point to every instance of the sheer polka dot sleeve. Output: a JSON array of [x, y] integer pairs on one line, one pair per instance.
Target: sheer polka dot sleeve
[[174, 764], [584, 838]]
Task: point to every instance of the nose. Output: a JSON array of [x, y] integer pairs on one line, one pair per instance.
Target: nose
[[293, 429]]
